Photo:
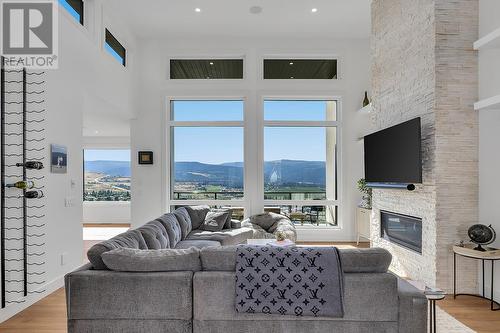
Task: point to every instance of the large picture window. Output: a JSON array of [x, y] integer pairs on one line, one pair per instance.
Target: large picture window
[[290, 147], [207, 150], [106, 175], [300, 160]]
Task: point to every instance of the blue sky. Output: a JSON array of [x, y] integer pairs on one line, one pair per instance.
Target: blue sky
[[218, 145], [107, 155]]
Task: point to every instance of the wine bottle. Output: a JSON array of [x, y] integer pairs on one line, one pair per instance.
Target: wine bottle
[[366, 101], [33, 165], [34, 194], [22, 184]]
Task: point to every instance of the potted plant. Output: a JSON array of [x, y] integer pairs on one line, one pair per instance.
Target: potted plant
[[367, 194]]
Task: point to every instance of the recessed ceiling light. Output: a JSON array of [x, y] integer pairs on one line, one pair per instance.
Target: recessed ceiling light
[[211, 63], [314, 10], [256, 9], [96, 132], [197, 10], [291, 63]]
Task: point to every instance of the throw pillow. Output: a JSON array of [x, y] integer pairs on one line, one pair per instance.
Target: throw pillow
[[197, 214], [215, 221], [165, 260], [227, 224]]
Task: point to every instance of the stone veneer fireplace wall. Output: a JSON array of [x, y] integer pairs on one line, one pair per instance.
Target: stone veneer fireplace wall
[[423, 66]]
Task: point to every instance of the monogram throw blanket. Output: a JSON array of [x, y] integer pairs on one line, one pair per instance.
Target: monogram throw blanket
[[296, 281]]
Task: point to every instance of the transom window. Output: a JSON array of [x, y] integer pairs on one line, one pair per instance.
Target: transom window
[[75, 8], [289, 69], [115, 48]]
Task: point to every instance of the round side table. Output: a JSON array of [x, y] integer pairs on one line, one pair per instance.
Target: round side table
[[432, 298], [491, 255]]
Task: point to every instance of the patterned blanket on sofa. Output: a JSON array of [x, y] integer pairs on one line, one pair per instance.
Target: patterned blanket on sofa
[[297, 281]]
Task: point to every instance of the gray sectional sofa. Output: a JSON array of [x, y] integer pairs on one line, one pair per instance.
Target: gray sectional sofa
[[201, 299]]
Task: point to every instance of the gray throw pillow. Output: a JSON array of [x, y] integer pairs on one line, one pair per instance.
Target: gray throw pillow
[[227, 224], [165, 260], [215, 221], [197, 214]]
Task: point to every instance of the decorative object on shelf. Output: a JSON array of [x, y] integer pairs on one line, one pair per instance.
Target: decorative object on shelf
[[145, 157], [366, 101], [58, 159], [367, 194], [481, 234]]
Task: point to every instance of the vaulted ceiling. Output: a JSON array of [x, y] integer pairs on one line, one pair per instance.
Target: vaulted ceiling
[[287, 18]]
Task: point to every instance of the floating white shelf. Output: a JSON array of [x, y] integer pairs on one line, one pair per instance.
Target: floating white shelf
[[490, 41], [367, 109], [488, 103]]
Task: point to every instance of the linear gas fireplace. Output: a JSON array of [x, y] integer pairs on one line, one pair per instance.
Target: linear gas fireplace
[[402, 229]]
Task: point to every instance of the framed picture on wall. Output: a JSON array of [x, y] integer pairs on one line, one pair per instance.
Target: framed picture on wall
[[58, 159], [145, 157]]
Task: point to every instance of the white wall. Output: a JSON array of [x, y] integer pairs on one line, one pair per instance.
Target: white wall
[[153, 87], [84, 72], [489, 132]]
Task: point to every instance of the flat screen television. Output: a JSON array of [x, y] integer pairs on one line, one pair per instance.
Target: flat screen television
[[393, 155]]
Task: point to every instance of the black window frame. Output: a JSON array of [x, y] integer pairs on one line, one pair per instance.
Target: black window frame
[[79, 7], [111, 40], [207, 69], [295, 68]]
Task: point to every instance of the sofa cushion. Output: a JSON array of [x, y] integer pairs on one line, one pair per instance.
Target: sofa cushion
[[131, 239], [218, 259], [197, 215], [173, 228], [225, 237], [184, 221], [163, 260], [215, 221], [200, 244], [155, 235], [373, 260]]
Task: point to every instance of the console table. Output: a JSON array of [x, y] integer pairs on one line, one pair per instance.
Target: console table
[[468, 251]]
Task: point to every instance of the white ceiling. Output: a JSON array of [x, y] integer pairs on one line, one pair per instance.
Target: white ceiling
[[284, 18]]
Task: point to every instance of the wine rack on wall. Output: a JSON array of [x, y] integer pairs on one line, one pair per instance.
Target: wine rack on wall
[[22, 211]]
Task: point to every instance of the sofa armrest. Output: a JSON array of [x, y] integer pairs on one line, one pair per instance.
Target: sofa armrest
[[102, 294], [412, 308], [235, 224]]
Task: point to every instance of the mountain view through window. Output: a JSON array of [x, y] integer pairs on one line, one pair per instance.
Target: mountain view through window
[[106, 175]]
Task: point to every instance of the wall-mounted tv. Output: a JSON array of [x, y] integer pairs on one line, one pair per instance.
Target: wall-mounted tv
[[393, 155]]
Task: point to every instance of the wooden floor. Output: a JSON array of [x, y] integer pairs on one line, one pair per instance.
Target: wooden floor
[[49, 314], [473, 312]]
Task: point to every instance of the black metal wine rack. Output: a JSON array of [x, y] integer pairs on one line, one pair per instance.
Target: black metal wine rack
[[22, 226]]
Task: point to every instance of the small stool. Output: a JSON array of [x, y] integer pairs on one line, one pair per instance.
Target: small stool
[[432, 298]]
